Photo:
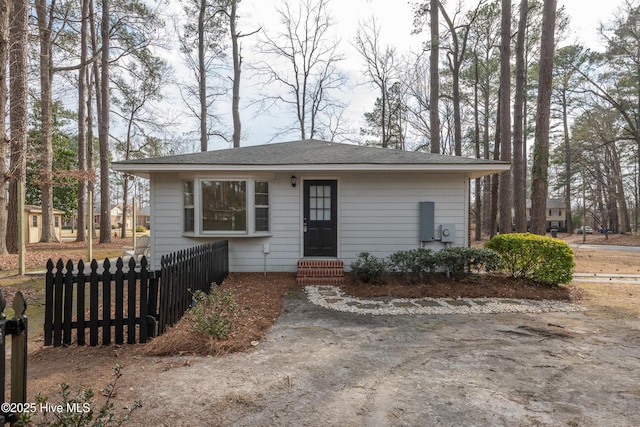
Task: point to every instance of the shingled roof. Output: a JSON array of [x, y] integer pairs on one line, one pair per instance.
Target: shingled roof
[[309, 155]]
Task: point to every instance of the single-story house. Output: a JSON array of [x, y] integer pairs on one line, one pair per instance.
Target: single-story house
[[33, 223], [278, 204]]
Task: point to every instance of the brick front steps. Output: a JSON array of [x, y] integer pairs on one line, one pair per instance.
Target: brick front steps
[[320, 272]]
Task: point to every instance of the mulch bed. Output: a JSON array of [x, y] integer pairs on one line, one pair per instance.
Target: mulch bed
[[473, 286]]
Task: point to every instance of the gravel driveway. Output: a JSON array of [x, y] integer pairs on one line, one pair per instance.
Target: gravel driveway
[[320, 367]]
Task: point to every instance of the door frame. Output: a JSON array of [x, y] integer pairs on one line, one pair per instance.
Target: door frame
[[336, 201]]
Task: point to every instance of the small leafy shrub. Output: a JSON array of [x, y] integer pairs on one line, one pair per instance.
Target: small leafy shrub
[[78, 410], [459, 262], [212, 313], [368, 269], [543, 259], [401, 264], [479, 259], [414, 264], [140, 229], [454, 260]]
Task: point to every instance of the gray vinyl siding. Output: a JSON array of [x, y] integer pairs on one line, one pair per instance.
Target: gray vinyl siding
[[377, 212]]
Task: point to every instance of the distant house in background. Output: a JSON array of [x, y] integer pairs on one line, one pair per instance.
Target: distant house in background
[[33, 223], [556, 214], [143, 217], [116, 216]]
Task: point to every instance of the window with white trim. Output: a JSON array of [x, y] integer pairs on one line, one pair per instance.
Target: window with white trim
[[189, 207], [261, 200], [226, 206]]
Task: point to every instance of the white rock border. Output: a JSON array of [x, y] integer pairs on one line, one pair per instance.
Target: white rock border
[[319, 294]]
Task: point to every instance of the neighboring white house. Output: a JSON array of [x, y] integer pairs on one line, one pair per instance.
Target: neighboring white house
[[279, 203]]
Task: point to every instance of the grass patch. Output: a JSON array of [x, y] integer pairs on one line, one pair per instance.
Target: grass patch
[[615, 300]]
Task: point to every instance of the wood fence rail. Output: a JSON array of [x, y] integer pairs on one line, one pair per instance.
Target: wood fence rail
[[139, 301]]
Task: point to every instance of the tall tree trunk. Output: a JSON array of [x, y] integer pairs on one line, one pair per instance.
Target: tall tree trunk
[[202, 76], [476, 121], [93, 83], [496, 177], [46, 154], [539, 180], [81, 234], [4, 56], [519, 143], [18, 112], [434, 113], [237, 66], [505, 117], [618, 190], [567, 163], [103, 128], [487, 214]]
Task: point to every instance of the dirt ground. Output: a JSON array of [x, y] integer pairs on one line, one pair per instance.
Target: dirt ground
[[304, 365]]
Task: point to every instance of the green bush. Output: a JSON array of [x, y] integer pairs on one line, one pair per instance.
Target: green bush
[[140, 229], [459, 262], [368, 269], [212, 313], [425, 261], [543, 259]]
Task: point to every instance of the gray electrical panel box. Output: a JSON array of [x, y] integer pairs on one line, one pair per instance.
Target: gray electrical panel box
[[447, 233], [427, 221]]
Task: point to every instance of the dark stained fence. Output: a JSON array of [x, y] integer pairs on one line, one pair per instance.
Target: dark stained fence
[[17, 329], [67, 309], [185, 272], [136, 303]]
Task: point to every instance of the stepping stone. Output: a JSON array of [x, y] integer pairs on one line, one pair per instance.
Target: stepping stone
[[403, 304], [428, 303], [369, 306], [328, 294], [457, 303]]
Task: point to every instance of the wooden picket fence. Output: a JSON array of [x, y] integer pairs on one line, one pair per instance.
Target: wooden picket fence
[[139, 301], [68, 286], [17, 329], [187, 271]]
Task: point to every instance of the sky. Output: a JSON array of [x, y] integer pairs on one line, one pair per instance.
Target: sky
[[395, 18]]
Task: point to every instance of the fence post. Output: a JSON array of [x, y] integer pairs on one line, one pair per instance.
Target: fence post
[[17, 327], [19, 349], [3, 324]]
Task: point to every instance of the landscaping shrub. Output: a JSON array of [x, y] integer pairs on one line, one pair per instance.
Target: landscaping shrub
[[212, 313], [368, 269], [461, 261], [543, 259], [417, 264], [425, 261], [140, 229]]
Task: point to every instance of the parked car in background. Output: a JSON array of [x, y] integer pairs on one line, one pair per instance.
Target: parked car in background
[[587, 230]]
